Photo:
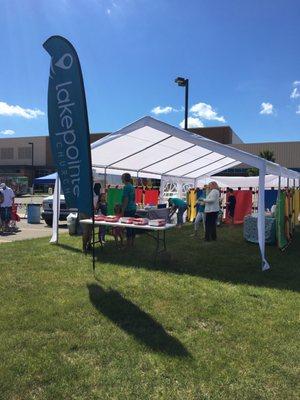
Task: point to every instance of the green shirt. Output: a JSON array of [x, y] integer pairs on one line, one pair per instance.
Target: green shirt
[[178, 202], [129, 192]]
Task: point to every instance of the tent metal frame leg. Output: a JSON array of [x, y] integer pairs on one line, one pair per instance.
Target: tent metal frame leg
[[160, 242], [161, 245]]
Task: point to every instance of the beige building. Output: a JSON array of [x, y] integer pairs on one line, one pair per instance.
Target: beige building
[[31, 156], [285, 153], [28, 156]]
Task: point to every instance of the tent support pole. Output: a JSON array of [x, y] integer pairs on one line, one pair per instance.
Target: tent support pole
[[189, 162], [166, 158], [105, 179], [161, 189], [279, 187], [215, 170], [204, 166], [139, 151], [261, 216]]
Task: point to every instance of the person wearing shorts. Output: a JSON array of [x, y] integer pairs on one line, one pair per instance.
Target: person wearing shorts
[[7, 196]]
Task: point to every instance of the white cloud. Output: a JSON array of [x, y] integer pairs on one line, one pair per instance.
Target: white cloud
[[295, 93], [108, 11], [192, 123], [162, 110], [298, 111], [11, 111], [7, 132], [296, 83], [205, 111], [267, 108]]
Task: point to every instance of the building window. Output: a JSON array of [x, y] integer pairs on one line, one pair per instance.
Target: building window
[[7, 153], [24, 153]]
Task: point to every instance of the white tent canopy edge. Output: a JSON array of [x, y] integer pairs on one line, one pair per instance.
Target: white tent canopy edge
[[152, 147], [148, 136], [138, 145]]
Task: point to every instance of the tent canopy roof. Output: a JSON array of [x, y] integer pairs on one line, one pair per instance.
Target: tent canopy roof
[[153, 148], [47, 179], [271, 181]]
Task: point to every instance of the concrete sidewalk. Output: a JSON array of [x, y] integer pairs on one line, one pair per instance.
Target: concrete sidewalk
[[30, 231]]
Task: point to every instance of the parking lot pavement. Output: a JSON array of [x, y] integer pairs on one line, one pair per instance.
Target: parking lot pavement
[[30, 231]]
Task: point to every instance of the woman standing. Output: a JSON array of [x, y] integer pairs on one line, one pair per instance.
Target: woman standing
[[180, 206], [212, 208], [128, 205]]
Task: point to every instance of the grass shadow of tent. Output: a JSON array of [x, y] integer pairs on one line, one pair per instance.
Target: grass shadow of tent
[[230, 259]]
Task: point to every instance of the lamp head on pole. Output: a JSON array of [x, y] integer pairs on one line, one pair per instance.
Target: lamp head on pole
[[181, 81]]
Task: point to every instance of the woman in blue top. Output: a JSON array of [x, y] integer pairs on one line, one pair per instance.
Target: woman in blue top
[[128, 205]]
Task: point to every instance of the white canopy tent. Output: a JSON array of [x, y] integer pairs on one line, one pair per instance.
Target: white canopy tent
[[151, 148], [154, 149]]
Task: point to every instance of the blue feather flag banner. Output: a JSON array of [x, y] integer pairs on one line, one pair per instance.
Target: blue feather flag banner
[[68, 125]]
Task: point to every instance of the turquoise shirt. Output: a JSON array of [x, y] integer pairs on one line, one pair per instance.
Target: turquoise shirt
[[178, 202], [129, 192]]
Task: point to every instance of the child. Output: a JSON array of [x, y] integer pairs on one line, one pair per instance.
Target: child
[[200, 217], [231, 202], [101, 209], [118, 231], [14, 217]]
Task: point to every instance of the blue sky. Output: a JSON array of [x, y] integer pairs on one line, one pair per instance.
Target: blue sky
[[242, 59]]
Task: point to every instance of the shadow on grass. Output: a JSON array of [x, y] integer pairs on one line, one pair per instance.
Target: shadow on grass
[[70, 248], [229, 259], [130, 318]]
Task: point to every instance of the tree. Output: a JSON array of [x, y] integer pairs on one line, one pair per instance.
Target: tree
[[267, 155]]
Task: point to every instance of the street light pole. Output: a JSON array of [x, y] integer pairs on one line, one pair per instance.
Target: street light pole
[[184, 82], [186, 111], [32, 162]]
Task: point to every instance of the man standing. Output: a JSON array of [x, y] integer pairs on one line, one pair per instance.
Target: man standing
[[8, 196]]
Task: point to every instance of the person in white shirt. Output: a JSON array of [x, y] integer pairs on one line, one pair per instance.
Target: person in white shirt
[[7, 196], [212, 208]]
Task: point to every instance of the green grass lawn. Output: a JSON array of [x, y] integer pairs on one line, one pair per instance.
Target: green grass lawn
[[203, 323]]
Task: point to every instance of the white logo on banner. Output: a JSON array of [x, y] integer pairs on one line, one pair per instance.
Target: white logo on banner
[[65, 62]]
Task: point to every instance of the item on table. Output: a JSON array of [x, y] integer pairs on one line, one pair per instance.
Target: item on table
[[112, 218], [100, 218], [157, 222], [140, 221], [150, 207], [126, 220]]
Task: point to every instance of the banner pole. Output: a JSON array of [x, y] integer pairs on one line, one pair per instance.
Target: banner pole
[[93, 246]]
